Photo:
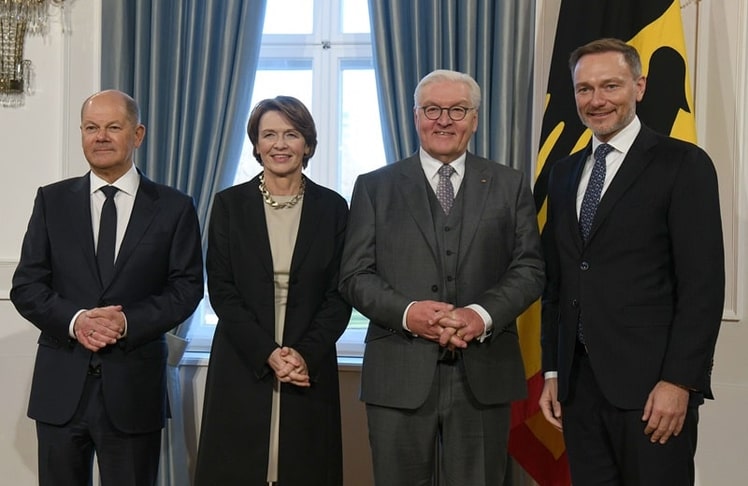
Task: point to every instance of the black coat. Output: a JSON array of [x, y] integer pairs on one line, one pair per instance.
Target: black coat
[[236, 417]]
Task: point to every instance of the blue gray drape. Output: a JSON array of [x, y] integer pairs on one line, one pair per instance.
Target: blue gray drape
[[491, 40], [190, 65]]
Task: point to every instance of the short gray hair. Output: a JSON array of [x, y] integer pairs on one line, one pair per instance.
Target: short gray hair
[[440, 75]]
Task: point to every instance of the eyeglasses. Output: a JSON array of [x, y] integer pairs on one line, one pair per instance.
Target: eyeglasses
[[456, 113]]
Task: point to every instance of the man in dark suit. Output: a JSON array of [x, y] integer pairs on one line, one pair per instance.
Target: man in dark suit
[[100, 380], [442, 253], [635, 285]]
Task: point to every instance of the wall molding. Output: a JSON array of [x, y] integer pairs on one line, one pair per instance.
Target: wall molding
[[7, 267]]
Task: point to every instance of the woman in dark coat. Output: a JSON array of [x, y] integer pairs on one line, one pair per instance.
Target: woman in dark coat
[[272, 411]]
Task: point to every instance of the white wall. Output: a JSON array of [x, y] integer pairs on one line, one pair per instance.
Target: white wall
[[40, 144]]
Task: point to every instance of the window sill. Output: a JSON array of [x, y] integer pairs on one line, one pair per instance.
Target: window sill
[[202, 358]]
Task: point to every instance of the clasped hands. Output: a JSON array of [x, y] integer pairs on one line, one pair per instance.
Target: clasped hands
[[99, 327], [289, 366], [452, 327]]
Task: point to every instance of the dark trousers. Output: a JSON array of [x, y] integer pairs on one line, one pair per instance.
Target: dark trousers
[[607, 446], [66, 452], [468, 440]]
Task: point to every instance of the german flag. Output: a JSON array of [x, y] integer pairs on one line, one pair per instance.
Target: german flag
[[655, 29]]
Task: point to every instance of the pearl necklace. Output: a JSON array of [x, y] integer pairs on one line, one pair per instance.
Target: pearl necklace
[[275, 204]]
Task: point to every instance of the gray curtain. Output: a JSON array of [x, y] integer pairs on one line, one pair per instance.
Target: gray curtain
[[190, 65], [491, 40]]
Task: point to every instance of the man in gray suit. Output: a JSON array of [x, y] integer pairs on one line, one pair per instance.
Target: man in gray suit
[[442, 254]]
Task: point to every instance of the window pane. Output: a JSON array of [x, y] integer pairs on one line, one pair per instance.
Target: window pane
[[354, 17], [361, 147], [291, 77], [289, 17]]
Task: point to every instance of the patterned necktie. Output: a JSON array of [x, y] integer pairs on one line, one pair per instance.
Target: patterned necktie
[[107, 236], [593, 191], [445, 193], [589, 207]]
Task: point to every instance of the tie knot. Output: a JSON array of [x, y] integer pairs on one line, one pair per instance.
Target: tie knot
[[109, 191], [602, 151], [446, 170]]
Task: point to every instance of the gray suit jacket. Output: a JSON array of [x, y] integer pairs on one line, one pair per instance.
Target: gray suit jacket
[[390, 260]]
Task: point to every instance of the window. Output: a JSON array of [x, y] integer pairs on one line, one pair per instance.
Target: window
[[321, 55]]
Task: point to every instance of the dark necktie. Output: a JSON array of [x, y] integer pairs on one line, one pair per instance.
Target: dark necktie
[[589, 206], [445, 193], [594, 190], [107, 236]]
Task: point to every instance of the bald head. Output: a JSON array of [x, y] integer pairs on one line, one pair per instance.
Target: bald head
[[131, 106]]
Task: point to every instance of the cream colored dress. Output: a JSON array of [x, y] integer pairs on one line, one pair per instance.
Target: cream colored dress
[[283, 226]]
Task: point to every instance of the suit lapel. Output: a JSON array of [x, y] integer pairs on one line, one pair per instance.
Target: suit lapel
[[637, 159], [475, 187], [412, 186], [569, 204], [311, 212], [81, 230], [253, 218], [144, 210]]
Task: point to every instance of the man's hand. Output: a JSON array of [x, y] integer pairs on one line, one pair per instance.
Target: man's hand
[[665, 411], [423, 316], [99, 327], [289, 367], [459, 326], [549, 403]]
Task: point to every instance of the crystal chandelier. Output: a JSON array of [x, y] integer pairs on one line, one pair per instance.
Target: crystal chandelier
[[17, 18]]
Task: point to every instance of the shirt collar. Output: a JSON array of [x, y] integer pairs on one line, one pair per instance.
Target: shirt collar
[[128, 183], [431, 165], [623, 140]]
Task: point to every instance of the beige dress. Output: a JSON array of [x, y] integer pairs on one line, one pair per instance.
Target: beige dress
[[283, 226]]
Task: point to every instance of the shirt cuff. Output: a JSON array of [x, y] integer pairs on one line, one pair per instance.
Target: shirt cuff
[[405, 319], [550, 374], [71, 326], [486, 318]]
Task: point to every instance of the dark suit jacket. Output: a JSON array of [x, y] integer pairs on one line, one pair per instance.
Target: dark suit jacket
[[390, 260], [158, 280], [236, 417], [650, 281]]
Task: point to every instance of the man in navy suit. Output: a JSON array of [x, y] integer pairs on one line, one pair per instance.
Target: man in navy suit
[[442, 254], [635, 269], [99, 381]]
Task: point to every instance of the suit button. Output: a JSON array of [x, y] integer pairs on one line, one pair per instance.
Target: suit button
[[449, 252], [574, 303], [447, 228], [450, 278], [584, 266], [435, 288]]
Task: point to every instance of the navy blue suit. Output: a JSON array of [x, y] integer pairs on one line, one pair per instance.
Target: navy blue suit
[[158, 281]]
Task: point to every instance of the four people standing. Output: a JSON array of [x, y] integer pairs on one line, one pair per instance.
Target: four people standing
[[442, 254], [272, 410], [635, 290]]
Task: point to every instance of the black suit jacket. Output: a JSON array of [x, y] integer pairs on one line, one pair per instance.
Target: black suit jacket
[[158, 280], [390, 260], [650, 281]]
